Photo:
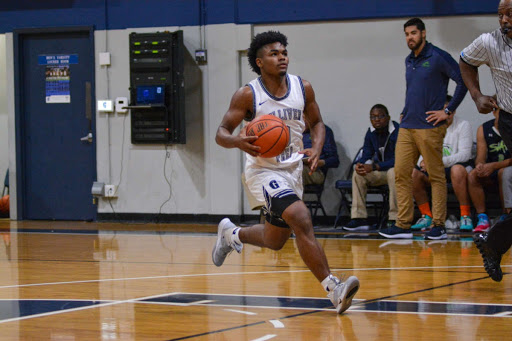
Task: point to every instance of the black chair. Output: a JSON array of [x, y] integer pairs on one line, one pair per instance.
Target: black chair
[[380, 205], [312, 199], [6, 183]]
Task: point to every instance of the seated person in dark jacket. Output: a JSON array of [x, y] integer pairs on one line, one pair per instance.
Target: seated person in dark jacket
[[375, 167], [328, 158]]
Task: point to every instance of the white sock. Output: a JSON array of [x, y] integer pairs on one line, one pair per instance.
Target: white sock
[[330, 282], [234, 236]]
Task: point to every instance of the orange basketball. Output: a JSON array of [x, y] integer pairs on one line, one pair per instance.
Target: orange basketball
[[4, 205], [273, 134]]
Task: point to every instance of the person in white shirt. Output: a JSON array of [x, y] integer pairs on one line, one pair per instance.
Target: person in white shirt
[[457, 154]]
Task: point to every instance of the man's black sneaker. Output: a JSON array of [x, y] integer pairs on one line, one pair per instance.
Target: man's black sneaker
[[395, 232], [436, 233], [491, 258], [357, 224]]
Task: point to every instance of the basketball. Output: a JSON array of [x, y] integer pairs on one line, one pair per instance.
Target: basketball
[[273, 135], [4, 205]]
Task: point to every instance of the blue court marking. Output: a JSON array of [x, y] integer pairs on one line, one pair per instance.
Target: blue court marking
[[10, 309], [246, 301], [394, 306], [441, 308], [13, 309]]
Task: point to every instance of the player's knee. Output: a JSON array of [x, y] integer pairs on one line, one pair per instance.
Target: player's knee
[[298, 217]]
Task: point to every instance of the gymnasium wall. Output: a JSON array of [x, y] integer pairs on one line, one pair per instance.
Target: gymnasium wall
[[352, 64]]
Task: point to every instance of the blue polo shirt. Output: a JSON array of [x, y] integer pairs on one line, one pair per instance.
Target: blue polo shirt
[[427, 77]]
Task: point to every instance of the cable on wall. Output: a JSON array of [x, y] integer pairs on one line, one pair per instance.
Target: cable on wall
[[168, 180]]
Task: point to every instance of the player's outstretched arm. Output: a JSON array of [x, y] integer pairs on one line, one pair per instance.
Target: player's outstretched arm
[[241, 103]]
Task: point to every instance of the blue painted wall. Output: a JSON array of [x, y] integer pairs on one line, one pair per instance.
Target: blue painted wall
[[120, 14]]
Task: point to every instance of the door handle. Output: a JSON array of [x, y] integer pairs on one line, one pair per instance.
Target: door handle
[[87, 138]]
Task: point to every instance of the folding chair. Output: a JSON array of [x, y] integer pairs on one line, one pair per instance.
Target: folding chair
[[380, 206], [312, 199]]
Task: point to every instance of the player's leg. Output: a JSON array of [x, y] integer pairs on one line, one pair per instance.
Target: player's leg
[[420, 183], [298, 217], [459, 178], [231, 237], [419, 187], [265, 235], [273, 234], [476, 191]]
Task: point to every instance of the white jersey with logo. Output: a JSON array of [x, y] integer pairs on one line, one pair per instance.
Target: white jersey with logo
[[288, 165], [290, 109]]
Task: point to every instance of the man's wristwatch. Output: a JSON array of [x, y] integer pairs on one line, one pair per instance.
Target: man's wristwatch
[[447, 111]]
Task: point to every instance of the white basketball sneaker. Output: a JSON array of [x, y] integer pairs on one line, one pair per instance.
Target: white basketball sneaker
[[342, 294], [225, 243]]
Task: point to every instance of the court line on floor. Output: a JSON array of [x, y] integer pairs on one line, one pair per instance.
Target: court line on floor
[[420, 290], [241, 326], [235, 274], [101, 305]]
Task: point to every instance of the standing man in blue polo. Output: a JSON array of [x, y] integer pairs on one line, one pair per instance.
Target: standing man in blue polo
[[422, 128]]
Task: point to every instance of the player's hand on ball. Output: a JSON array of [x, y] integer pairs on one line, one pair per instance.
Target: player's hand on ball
[[245, 143]]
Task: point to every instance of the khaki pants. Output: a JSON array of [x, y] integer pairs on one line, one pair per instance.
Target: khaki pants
[[410, 144], [317, 178], [360, 188]]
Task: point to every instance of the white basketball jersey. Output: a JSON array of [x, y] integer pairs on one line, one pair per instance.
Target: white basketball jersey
[[289, 108]]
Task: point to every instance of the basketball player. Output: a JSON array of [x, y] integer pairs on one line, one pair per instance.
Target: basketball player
[[278, 181], [493, 49]]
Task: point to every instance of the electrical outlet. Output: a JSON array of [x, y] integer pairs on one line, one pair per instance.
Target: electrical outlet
[[110, 191]]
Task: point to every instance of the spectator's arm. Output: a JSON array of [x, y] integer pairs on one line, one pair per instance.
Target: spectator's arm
[[389, 162], [368, 150], [501, 164], [465, 144], [481, 147]]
